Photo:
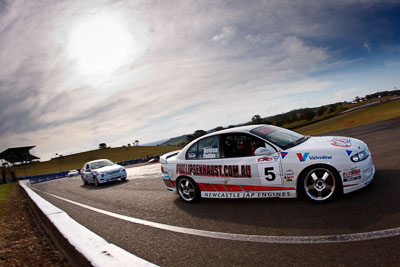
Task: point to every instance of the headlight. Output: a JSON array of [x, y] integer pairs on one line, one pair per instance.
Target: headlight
[[123, 170], [360, 156], [98, 174]]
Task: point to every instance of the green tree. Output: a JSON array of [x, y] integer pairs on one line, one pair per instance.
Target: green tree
[[195, 135], [309, 115], [219, 128], [256, 119], [321, 110]]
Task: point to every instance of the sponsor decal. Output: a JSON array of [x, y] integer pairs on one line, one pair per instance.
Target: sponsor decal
[[351, 175], [192, 155], [351, 172], [265, 159], [349, 152], [210, 153], [303, 157], [205, 194], [341, 142], [319, 157], [289, 172], [235, 171], [284, 154], [289, 178], [351, 179]]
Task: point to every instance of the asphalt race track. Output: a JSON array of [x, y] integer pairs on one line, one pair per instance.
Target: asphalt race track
[[375, 209]]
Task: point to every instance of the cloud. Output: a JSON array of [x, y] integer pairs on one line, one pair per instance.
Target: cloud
[[227, 33], [196, 65], [392, 64], [346, 95]]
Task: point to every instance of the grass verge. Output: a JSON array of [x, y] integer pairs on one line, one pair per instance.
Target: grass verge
[[365, 116], [5, 190]]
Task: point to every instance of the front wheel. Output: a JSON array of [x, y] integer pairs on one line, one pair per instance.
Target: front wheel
[[320, 184], [96, 182], [188, 190]]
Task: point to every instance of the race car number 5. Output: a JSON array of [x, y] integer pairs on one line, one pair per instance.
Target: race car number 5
[[269, 172]]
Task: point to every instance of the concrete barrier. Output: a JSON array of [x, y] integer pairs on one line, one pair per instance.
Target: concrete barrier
[[81, 246]]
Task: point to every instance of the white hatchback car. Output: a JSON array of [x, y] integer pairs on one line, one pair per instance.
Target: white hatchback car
[[102, 171], [72, 173], [261, 161]]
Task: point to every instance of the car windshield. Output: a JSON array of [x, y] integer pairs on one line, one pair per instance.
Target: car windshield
[[100, 164], [281, 137]]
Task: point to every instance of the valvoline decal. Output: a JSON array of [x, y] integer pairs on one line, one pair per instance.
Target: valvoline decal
[[301, 157], [305, 156]]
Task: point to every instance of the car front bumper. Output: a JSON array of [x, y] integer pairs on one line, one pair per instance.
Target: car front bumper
[[365, 177], [107, 179]]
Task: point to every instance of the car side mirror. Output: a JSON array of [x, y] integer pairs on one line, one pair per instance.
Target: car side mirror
[[262, 151]]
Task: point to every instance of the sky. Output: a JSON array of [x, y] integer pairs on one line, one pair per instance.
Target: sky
[[77, 73]]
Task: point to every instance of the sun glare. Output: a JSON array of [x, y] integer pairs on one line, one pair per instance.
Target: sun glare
[[100, 45]]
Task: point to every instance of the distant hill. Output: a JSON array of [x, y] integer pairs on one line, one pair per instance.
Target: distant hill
[[156, 143], [175, 141]]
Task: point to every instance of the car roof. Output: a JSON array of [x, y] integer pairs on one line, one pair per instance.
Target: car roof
[[95, 161], [240, 129]]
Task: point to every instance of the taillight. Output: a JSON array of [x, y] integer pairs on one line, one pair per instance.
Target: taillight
[[162, 169]]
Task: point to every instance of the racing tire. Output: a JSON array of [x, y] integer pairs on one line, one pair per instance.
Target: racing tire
[[84, 182], [320, 184], [96, 182], [188, 190], [123, 179]]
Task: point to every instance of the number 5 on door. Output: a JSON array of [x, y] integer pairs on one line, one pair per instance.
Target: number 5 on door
[[269, 173]]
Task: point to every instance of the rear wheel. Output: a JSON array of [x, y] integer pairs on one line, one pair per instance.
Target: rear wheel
[[188, 190], [320, 184], [84, 182]]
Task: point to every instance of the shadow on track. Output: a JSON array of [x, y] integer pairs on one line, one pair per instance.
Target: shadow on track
[[103, 186], [358, 211]]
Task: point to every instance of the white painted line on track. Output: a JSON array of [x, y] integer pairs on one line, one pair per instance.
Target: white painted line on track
[[244, 237]]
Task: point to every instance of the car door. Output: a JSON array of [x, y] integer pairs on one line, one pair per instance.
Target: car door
[[203, 163], [87, 174], [239, 153]]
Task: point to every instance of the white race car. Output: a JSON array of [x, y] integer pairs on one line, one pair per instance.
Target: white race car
[[262, 161], [72, 173], [102, 171]]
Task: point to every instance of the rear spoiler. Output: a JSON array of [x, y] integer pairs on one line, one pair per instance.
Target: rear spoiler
[[163, 158]]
